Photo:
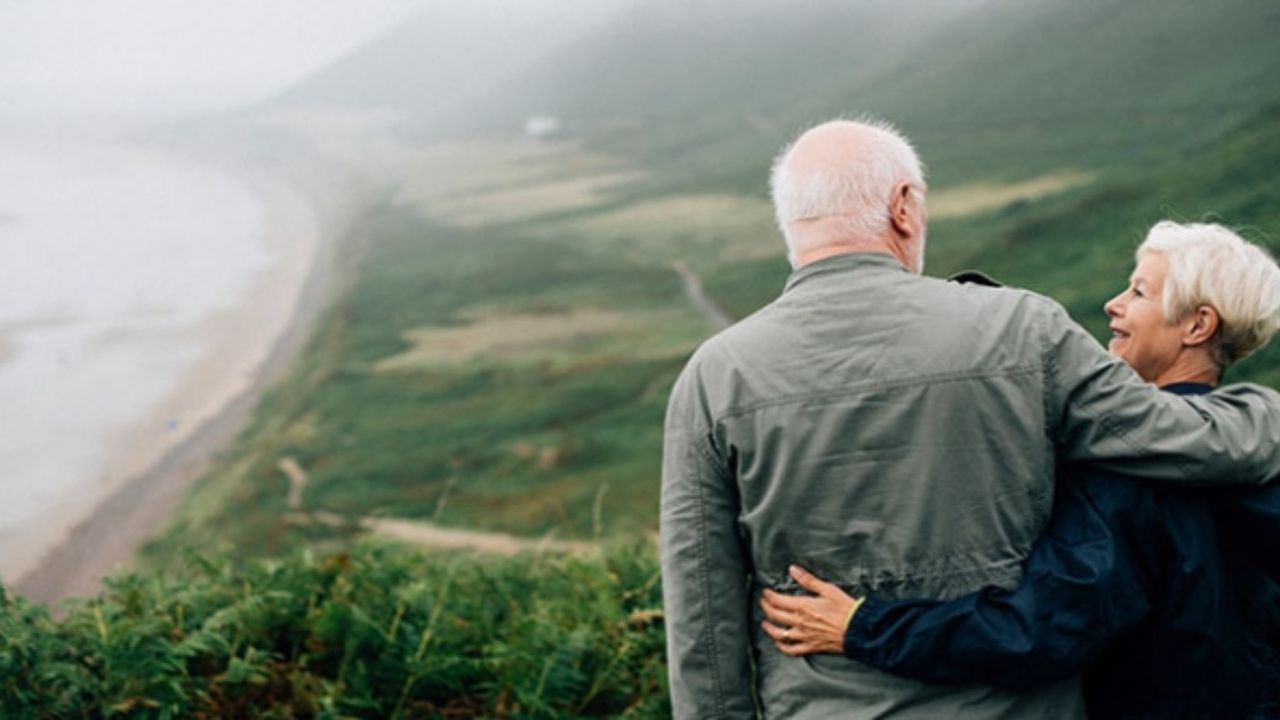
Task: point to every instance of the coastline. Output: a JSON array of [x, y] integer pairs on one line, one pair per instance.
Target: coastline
[[250, 347]]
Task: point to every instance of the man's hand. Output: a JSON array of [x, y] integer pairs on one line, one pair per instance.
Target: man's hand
[[806, 625]]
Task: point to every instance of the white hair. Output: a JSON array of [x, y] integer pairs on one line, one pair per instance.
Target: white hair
[[858, 193], [1211, 265]]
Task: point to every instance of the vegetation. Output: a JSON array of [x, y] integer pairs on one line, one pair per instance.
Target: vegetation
[[377, 633]]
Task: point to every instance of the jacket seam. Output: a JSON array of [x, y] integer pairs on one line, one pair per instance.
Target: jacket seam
[[704, 577], [941, 567], [1051, 423], [862, 387], [701, 444]]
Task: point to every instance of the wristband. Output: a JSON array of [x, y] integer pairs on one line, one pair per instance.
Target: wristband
[[857, 603]]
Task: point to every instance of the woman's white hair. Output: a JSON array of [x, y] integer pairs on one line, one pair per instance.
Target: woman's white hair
[[1211, 265], [857, 192]]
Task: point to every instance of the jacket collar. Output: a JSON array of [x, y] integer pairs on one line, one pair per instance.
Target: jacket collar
[[1187, 388], [844, 262]]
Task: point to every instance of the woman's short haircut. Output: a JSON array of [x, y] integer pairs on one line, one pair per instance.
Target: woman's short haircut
[[1211, 265]]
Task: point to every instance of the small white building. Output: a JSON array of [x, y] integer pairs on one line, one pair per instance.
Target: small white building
[[543, 127]]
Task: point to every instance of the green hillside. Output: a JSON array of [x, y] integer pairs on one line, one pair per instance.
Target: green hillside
[[986, 89]]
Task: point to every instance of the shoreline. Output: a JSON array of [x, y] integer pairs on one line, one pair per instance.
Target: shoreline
[[216, 402]]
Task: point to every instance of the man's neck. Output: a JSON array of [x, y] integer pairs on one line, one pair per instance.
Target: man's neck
[[834, 239], [845, 248]]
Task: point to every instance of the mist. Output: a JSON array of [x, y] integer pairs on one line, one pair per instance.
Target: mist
[[159, 59]]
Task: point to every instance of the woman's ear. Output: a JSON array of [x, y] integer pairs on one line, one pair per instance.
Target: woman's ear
[[1200, 327]]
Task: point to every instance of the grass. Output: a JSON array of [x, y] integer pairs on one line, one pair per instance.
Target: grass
[[376, 632]]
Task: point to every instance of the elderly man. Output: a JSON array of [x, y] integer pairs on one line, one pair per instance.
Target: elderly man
[[896, 435]]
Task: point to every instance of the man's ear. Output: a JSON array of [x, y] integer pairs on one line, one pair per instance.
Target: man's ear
[[1200, 326], [899, 214]]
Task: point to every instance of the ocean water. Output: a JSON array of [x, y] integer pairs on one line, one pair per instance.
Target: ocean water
[[111, 260]]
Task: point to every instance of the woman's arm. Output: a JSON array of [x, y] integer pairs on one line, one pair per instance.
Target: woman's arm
[[1084, 583]]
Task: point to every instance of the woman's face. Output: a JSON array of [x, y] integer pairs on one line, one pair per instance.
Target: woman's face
[[1140, 334]]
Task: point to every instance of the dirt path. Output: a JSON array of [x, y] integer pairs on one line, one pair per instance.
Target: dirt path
[[420, 532], [424, 533], [297, 480], [698, 296]]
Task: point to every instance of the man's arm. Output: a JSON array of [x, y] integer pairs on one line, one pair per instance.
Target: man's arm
[[1085, 583], [1099, 410], [704, 571]]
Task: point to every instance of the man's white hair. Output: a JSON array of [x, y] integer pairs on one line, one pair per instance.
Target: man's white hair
[[858, 193], [1211, 265]]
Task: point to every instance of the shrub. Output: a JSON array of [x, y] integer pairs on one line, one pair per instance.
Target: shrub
[[378, 632]]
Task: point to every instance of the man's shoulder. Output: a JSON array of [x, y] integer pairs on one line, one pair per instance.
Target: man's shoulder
[[976, 294], [970, 301], [730, 341]]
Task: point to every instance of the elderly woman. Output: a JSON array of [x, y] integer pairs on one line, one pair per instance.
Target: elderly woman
[[1168, 598]]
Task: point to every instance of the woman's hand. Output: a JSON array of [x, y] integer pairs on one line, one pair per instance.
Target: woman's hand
[[805, 625]]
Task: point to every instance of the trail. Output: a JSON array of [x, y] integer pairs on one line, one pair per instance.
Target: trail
[[431, 535], [297, 480], [698, 296], [420, 532]]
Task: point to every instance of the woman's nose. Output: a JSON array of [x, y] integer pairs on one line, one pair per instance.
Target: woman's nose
[[1112, 307]]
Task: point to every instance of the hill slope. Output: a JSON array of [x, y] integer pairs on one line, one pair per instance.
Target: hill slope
[[705, 91]]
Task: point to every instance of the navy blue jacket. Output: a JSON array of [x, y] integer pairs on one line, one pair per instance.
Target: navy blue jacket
[[1167, 597]]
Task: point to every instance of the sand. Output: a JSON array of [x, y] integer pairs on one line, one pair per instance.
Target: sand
[[252, 343]]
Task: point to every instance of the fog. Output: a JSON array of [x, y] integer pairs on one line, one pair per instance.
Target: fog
[[149, 58]]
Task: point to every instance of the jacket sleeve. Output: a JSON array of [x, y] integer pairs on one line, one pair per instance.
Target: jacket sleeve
[[1084, 584], [704, 571], [1099, 410]]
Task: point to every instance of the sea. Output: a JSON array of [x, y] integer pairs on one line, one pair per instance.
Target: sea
[[112, 258]]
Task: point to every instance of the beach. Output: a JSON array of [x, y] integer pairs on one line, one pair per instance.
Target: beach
[[223, 355]]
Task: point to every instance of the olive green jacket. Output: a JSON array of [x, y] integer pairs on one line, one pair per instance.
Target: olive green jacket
[[897, 434]]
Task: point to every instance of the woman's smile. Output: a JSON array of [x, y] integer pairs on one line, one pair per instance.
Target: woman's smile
[[1140, 333]]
